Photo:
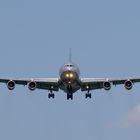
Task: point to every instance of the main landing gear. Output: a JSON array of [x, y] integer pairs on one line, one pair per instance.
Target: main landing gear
[[88, 95], [51, 95]]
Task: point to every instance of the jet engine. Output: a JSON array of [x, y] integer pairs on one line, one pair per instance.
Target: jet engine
[[128, 84], [11, 85], [107, 85], [32, 85]]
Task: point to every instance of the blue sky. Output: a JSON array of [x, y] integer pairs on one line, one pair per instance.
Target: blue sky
[[35, 36]]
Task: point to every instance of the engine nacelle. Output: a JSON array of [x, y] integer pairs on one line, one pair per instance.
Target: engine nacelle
[[11, 85], [107, 85], [32, 85], [128, 84]]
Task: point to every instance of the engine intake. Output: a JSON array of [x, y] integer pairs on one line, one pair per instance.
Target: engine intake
[[32, 85], [107, 85], [128, 84], [11, 85]]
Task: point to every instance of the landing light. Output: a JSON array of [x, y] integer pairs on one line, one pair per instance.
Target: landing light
[[67, 75], [71, 75]]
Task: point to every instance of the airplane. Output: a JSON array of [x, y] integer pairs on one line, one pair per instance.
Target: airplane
[[69, 81]]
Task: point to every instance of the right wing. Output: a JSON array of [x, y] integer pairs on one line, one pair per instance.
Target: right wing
[[40, 83]]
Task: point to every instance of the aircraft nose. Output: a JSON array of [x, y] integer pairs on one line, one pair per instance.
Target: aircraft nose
[[69, 76], [69, 68]]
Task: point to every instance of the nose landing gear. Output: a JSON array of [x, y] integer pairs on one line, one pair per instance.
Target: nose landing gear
[[69, 96]]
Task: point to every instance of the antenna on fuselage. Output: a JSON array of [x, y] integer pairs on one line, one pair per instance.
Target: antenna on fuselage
[[70, 55]]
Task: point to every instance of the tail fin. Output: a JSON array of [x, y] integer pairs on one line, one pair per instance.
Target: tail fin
[[70, 55]]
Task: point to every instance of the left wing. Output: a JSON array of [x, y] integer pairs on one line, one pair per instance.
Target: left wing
[[32, 83], [99, 83]]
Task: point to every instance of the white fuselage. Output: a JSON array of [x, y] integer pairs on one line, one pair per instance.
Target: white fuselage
[[69, 78]]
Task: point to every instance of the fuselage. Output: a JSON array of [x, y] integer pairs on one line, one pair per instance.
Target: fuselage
[[69, 78]]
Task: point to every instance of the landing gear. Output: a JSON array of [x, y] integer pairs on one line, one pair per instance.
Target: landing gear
[[69, 96], [88, 95], [51, 95]]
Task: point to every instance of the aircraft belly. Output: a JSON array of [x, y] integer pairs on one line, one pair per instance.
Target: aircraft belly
[[73, 87]]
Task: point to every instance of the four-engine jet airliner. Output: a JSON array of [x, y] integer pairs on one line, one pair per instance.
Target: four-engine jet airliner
[[69, 81]]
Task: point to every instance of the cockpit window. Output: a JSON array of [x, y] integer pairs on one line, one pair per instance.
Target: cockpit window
[[69, 65]]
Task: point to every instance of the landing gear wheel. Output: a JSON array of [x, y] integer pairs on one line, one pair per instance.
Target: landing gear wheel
[[88, 95], [51, 95], [69, 96]]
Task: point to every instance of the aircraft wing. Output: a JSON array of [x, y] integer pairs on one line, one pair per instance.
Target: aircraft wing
[[41, 83], [98, 83]]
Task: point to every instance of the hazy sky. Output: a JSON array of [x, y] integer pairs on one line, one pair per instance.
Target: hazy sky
[[35, 36]]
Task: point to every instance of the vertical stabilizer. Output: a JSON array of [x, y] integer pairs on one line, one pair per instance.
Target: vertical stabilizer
[[70, 55]]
